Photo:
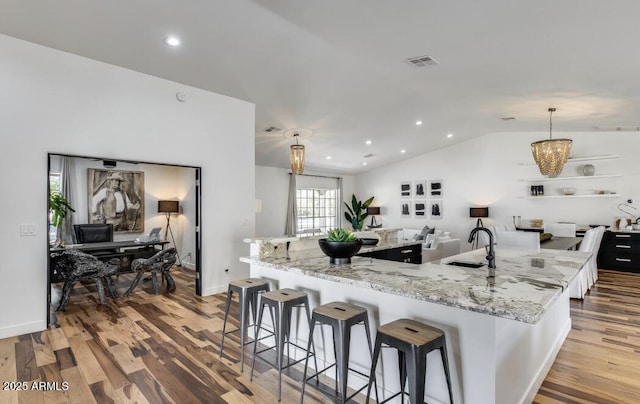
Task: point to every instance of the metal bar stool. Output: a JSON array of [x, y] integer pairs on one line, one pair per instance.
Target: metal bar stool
[[247, 290], [282, 301], [341, 317], [413, 340]]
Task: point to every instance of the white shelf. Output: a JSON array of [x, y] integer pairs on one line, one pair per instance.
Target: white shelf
[[576, 196], [578, 177], [579, 159]]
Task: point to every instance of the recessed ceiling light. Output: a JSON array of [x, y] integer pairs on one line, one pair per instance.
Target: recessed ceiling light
[[368, 142], [328, 157], [403, 151], [449, 135], [364, 164], [172, 41], [418, 123]]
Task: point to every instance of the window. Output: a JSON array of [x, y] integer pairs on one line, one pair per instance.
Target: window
[[317, 212], [54, 186]]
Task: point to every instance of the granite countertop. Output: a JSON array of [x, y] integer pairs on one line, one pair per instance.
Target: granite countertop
[[526, 283]]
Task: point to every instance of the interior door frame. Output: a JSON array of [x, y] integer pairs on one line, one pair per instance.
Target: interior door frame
[[198, 213]]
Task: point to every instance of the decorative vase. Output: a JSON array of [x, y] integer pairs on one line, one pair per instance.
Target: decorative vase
[[340, 252], [588, 170]]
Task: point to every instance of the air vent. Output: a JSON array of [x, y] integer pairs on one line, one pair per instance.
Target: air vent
[[508, 118], [422, 61], [272, 129], [369, 155], [618, 128]]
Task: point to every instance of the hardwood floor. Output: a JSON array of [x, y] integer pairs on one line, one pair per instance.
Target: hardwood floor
[[165, 349]]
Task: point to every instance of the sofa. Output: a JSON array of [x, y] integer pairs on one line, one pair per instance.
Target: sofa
[[436, 243]]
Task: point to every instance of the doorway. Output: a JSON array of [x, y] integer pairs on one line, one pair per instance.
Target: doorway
[[77, 178]]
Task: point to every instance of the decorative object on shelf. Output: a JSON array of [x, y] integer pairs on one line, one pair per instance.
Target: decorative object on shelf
[[537, 190], [568, 191], [479, 213], [550, 155], [297, 156], [169, 207], [373, 211], [340, 245], [588, 170], [357, 212], [545, 236]]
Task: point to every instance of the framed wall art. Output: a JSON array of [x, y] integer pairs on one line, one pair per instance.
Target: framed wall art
[[435, 189], [436, 209], [420, 189], [405, 189], [405, 209], [420, 209], [116, 197]]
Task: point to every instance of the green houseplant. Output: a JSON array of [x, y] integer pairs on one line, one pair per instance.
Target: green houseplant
[[59, 207], [340, 245], [357, 212]]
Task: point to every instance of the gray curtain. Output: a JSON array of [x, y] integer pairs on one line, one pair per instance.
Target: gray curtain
[[67, 179], [340, 209], [292, 208]]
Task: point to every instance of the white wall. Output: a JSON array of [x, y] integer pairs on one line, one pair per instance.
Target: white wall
[[272, 189], [56, 102], [486, 171]]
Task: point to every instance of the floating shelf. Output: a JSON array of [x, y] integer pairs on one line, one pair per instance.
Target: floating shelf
[[576, 196], [578, 177], [579, 159]]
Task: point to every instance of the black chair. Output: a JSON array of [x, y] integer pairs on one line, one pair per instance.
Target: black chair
[[76, 266], [93, 233], [161, 263]]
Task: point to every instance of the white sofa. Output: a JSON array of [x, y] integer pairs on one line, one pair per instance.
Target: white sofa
[[437, 245]]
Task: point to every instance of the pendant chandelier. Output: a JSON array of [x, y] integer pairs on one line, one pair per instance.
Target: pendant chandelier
[[550, 155], [297, 156]]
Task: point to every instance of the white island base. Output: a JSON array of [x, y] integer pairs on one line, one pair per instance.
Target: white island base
[[492, 359]]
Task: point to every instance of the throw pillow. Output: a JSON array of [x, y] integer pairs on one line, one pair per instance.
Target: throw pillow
[[418, 237], [429, 239], [426, 230]]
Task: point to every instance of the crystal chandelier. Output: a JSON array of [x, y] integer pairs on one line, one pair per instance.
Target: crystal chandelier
[[297, 156], [550, 155]]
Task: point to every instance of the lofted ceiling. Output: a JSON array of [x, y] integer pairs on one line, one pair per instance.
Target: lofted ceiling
[[337, 69]]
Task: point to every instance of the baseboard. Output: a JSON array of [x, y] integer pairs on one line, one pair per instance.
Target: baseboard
[[24, 328], [214, 290], [189, 265]]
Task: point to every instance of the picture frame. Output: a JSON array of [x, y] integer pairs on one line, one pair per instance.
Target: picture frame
[[405, 209], [436, 209], [435, 189], [116, 197], [405, 190], [420, 189], [420, 208]]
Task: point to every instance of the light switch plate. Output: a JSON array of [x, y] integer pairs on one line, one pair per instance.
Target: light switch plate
[[27, 230]]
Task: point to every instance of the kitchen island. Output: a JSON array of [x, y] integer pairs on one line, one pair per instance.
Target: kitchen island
[[502, 333]]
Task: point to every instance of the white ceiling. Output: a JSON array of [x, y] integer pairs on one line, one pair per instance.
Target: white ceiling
[[338, 67]]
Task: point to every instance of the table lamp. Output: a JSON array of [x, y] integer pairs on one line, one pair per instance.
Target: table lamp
[[479, 213], [373, 212], [169, 207]]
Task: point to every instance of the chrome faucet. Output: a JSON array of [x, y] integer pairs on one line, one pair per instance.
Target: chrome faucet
[[491, 255]]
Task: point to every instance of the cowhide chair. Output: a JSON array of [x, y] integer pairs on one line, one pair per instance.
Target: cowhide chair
[[76, 266], [161, 263]]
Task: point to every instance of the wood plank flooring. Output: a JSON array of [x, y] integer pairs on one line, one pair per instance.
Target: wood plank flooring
[[165, 349]]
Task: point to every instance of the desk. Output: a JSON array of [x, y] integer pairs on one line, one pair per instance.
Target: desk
[[126, 251], [562, 243]]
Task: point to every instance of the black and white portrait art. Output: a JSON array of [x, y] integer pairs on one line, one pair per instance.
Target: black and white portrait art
[[116, 197], [405, 189], [420, 189], [435, 189], [420, 209], [436, 209], [405, 210]]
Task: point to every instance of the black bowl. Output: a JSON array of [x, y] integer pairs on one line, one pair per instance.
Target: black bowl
[[340, 252], [369, 241]]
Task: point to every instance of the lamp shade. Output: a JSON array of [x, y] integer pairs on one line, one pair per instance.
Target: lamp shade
[[374, 210], [479, 212], [168, 206]]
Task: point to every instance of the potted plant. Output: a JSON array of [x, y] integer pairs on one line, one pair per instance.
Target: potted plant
[[357, 212], [340, 245], [59, 207]]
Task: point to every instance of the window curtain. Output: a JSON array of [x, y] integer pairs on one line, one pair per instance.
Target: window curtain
[[292, 208], [339, 204], [67, 179]]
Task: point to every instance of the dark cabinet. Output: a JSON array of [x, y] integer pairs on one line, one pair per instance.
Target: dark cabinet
[[620, 252], [411, 254]]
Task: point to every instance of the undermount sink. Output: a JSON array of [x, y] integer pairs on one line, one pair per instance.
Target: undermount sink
[[466, 264]]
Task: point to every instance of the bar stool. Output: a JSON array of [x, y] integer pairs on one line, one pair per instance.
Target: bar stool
[[282, 301], [413, 340], [247, 290], [341, 317]]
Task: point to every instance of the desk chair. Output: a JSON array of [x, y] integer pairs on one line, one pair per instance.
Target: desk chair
[[94, 233]]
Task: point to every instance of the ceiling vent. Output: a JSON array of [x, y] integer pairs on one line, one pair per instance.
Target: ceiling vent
[[271, 129], [422, 61], [508, 118], [369, 155]]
